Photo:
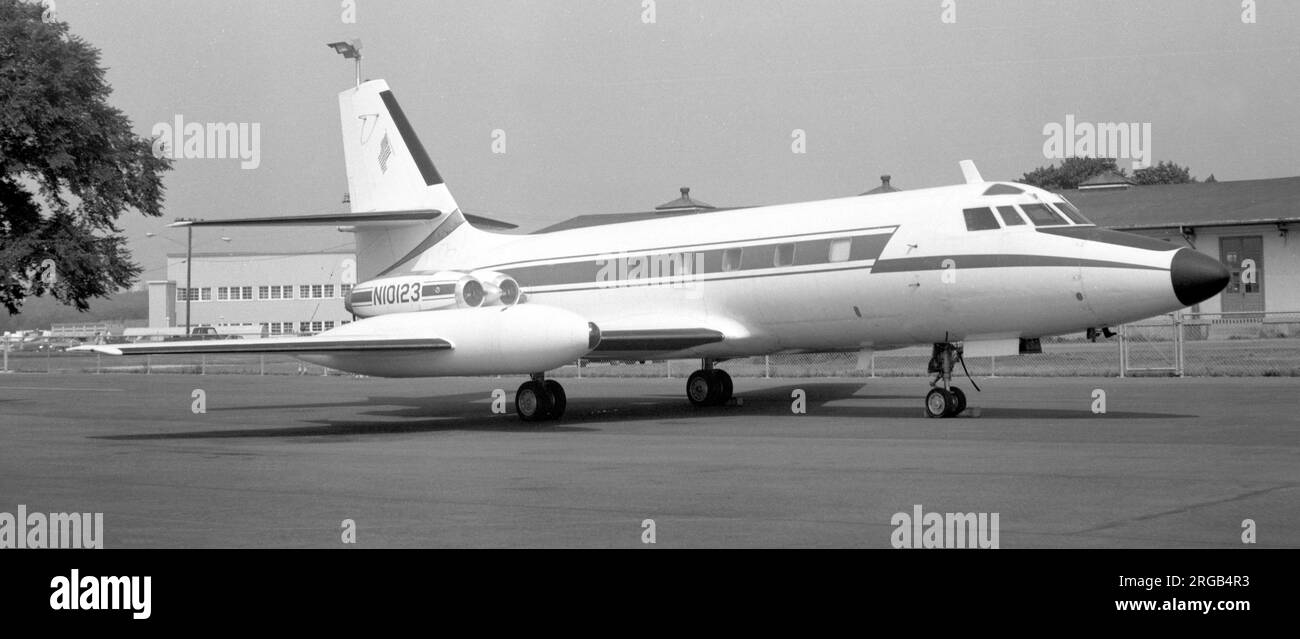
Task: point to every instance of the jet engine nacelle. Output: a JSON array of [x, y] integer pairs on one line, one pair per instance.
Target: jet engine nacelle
[[416, 292], [497, 340], [498, 288]]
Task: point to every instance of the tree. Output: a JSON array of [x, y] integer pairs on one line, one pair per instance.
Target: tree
[[70, 165], [1071, 172], [1163, 173]]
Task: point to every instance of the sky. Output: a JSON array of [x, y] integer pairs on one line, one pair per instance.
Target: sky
[[604, 109]]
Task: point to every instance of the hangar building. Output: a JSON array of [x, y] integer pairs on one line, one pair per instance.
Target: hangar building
[[256, 293]]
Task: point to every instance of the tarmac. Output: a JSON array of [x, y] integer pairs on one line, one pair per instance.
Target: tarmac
[[283, 461]]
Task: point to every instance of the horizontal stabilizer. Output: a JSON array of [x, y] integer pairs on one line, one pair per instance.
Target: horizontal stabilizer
[[377, 218], [274, 345]]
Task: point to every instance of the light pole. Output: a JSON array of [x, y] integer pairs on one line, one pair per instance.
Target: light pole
[[350, 50], [189, 265]]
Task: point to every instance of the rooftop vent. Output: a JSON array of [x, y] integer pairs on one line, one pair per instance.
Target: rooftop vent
[[885, 187], [684, 203]]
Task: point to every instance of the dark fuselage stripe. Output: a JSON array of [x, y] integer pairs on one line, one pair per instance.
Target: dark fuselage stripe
[[934, 263], [686, 265], [883, 231]]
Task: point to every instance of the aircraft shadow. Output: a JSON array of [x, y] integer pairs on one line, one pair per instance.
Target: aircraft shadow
[[468, 412]]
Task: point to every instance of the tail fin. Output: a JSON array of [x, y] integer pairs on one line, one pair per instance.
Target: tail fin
[[390, 170], [388, 167], [402, 214]]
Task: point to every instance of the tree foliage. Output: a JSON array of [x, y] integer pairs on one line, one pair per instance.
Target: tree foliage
[[1163, 173], [70, 165], [1070, 174]]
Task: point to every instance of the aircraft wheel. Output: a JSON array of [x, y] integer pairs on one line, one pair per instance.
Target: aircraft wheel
[[558, 399], [700, 388], [938, 403], [959, 399], [724, 387], [532, 402]]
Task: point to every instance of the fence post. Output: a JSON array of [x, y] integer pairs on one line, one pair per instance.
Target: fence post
[[873, 364], [993, 365], [579, 363], [148, 364], [1123, 354], [668, 369], [98, 355], [1178, 342], [767, 367]]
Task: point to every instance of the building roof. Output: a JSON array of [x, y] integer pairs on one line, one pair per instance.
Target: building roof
[[1197, 204]]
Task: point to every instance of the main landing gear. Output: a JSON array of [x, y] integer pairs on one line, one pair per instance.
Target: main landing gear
[[708, 386], [944, 399], [540, 399]]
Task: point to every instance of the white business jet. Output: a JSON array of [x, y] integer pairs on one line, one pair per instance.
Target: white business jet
[[977, 269]]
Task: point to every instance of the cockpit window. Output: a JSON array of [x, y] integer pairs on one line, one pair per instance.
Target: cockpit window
[[1072, 212], [1040, 215], [980, 219], [1003, 189], [1010, 217]]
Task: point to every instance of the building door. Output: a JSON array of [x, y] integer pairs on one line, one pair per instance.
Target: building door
[[1244, 257]]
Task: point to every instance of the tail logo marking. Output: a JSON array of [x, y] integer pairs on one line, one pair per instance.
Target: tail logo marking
[[385, 152]]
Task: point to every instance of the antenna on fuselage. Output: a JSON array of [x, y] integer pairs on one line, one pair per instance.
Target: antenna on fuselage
[[971, 173]]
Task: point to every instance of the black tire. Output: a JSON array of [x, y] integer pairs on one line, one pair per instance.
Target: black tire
[[959, 401], [724, 386], [700, 389], [938, 403], [532, 402], [559, 401]]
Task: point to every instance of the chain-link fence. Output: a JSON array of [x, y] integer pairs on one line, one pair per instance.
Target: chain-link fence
[[1193, 344]]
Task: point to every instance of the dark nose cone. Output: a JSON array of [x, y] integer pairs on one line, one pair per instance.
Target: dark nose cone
[[1196, 276]]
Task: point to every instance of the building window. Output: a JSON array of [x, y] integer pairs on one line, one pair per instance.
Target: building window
[[316, 327], [263, 292], [329, 290], [317, 291], [248, 292], [304, 327], [345, 290], [223, 293], [287, 289], [304, 292], [329, 325]]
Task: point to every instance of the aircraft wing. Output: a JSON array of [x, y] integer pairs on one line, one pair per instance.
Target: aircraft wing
[[276, 345]]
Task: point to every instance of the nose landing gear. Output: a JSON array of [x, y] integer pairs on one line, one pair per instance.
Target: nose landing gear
[[944, 399], [540, 399]]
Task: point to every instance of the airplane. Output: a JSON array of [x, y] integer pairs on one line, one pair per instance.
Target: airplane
[[976, 269]]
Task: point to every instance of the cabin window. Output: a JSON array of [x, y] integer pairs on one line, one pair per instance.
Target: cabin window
[[980, 219], [1010, 216], [784, 255], [1072, 212], [731, 259], [757, 257], [840, 249], [1040, 215]]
